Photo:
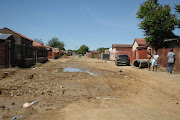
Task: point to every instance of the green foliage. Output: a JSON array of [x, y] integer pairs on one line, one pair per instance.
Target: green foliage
[[56, 43], [102, 48], [83, 49], [38, 40], [177, 8], [157, 22]]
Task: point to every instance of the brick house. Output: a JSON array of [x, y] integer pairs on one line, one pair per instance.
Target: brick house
[[120, 49]]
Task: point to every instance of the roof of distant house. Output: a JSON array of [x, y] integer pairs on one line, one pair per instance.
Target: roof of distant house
[[121, 46], [19, 34], [48, 47], [140, 42], [94, 52], [36, 44], [4, 36]]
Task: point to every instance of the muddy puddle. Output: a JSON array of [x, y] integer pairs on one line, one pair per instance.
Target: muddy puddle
[[69, 69]]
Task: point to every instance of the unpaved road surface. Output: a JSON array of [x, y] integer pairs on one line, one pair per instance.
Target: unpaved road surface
[[105, 92]]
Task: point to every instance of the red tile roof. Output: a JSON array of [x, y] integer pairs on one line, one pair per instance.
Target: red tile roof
[[140, 42], [36, 44], [19, 34], [121, 46], [48, 47]]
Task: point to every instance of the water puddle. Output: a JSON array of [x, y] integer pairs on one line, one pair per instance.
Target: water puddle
[[69, 69]]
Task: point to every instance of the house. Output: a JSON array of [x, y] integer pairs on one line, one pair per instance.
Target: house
[[119, 49], [139, 44], [172, 43], [40, 52], [19, 38], [6, 56]]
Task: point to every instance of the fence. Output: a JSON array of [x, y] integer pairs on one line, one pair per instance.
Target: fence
[[53, 55], [20, 55], [163, 60]]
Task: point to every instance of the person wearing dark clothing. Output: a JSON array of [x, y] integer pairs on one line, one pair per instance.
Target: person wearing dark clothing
[[171, 60]]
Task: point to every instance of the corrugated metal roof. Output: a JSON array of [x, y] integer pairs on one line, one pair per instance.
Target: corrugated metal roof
[[4, 36]]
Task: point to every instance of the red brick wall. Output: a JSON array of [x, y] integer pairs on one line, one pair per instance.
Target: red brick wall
[[53, 55]]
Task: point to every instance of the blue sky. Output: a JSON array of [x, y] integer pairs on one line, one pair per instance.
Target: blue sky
[[95, 23]]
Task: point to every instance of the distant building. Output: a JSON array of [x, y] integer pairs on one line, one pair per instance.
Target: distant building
[[139, 44], [119, 48]]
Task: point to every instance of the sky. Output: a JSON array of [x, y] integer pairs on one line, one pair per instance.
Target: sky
[[94, 23]]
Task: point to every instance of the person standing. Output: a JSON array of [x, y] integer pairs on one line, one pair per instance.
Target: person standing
[[149, 56], [156, 58], [171, 60]]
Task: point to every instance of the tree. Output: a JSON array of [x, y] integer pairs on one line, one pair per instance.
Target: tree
[[54, 42], [38, 40], [102, 48], [83, 49], [157, 22], [177, 8]]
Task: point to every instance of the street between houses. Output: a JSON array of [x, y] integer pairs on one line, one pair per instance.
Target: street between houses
[[89, 89]]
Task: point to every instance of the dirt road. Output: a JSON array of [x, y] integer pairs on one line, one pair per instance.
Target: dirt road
[[99, 91]]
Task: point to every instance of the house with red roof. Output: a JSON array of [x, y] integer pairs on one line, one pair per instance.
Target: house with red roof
[[139, 44], [19, 38], [119, 49]]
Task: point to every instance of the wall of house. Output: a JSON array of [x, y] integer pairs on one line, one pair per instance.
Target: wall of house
[[135, 45], [173, 44], [123, 49], [16, 37], [26, 42], [113, 53], [2, 54]]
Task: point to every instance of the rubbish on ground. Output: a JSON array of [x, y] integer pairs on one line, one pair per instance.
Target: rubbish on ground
[[15, 117], [106, 98], [120, 71], [0, 92], [3, 106], [126, 77], [98, 97], [25, 105], [34, 103], [5, 74]]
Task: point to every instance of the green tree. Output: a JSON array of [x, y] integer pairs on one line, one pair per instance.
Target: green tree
[[83, 49], [56, 43], [177, 8], [157, 22], [38, 40], [102, 48]]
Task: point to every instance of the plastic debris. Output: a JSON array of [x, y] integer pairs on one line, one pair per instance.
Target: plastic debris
[[15, 117], [25, 105], [106, 98]]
